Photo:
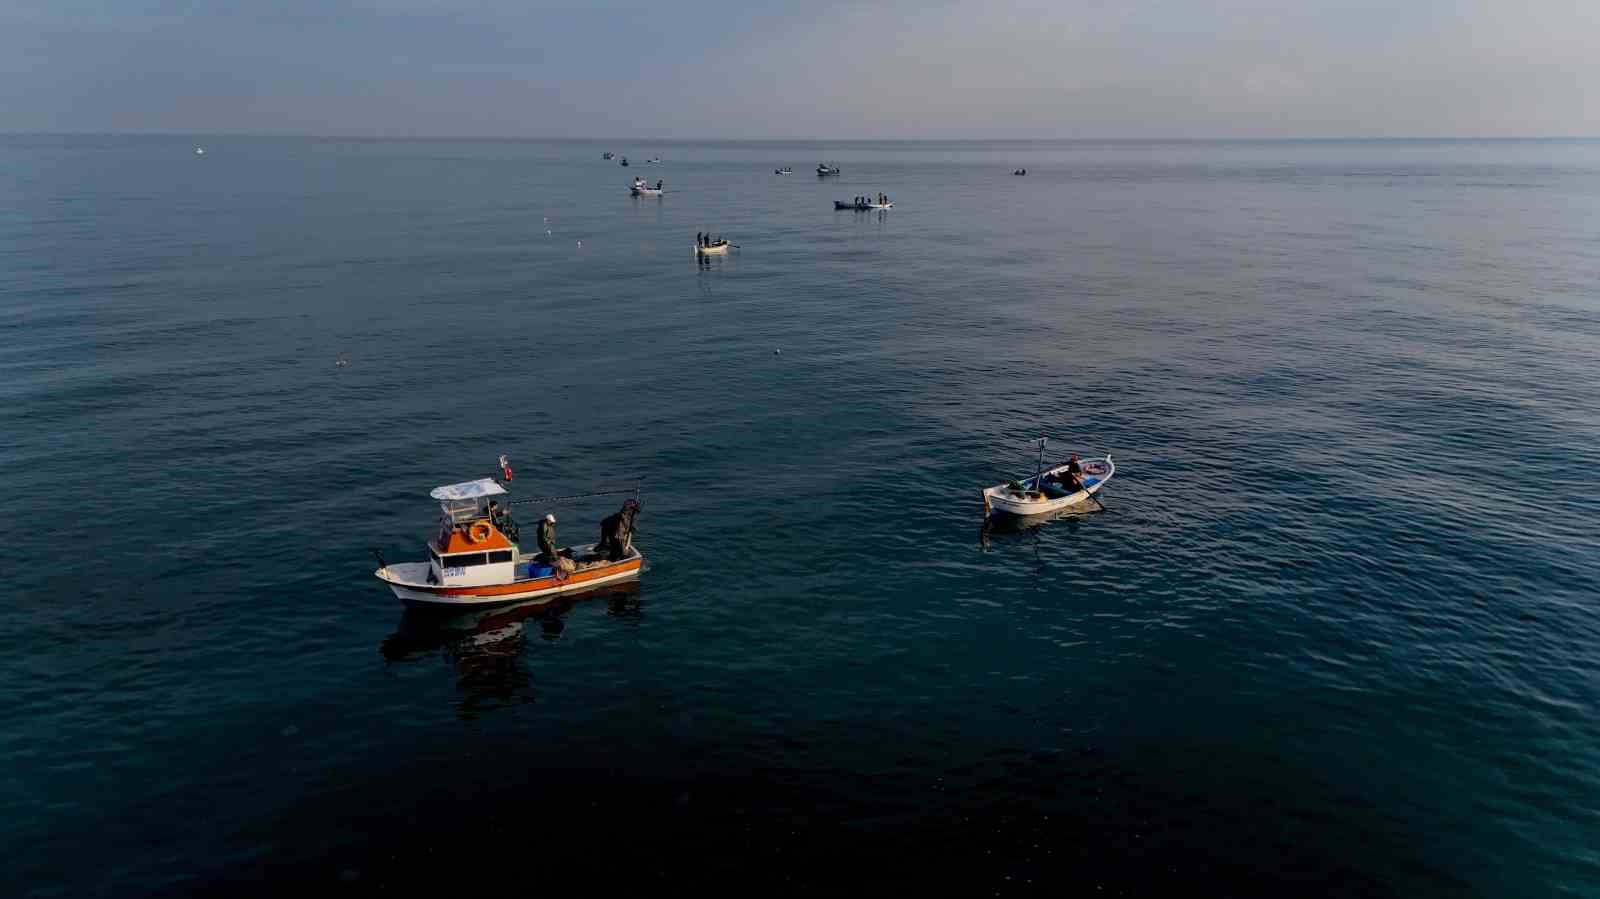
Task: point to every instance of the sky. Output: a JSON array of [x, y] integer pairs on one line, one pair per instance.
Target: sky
[[828, 69]]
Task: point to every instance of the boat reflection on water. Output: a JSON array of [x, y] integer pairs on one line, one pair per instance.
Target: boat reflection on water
[[1013, 525], [483, 645]]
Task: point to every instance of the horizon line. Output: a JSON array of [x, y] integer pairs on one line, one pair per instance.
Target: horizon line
[[1465, 138]]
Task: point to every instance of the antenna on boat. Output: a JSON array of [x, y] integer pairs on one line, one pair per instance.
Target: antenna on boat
[[1038, 476]]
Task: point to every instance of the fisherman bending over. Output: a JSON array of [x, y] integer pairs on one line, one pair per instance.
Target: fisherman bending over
[[616, 532]]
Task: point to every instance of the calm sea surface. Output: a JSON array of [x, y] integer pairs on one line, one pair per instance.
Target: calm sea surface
[[1337, 635]]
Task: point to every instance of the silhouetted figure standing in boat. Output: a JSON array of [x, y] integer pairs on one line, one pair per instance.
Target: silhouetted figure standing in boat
[[616, 532]]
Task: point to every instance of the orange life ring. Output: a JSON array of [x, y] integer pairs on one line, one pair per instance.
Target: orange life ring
[[479, 532]]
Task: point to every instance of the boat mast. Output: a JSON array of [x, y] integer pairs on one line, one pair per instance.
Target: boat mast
[[1038, 477]]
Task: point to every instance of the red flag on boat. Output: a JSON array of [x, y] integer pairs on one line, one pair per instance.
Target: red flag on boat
[[505, 466]]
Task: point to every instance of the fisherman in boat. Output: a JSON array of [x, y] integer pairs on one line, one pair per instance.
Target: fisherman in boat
[[500, 517], [1074, 475], [659, 182], [616, 532], [547, 540]]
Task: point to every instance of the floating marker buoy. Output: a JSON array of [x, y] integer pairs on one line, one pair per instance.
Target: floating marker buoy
[[580, 243]]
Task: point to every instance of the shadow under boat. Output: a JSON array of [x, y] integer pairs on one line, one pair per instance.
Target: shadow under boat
[[1005, 524], [496, 631]]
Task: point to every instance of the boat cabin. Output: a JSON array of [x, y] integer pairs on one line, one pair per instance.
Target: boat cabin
[[470, 549]]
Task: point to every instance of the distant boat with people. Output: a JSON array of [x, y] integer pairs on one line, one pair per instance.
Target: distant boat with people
[[824, 170], [704, 245], [641, 189], [1020, 172], [624, 161], [861, 204], [783, 171], [608, 155]]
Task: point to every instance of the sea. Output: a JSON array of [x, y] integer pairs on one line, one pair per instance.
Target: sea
[[1336, 632]]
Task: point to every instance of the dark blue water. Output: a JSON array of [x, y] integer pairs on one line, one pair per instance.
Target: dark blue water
[[1337, 635]]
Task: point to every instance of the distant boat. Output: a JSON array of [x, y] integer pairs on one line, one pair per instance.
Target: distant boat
[[823, 170], [720, 249], [624, 160], [783, 171], [655, 161], [861, 207], [1020, 172], [608, 155], [199, 151], [1048, 491]]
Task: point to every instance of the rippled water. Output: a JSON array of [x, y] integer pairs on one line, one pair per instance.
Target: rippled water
[[1336, 634]]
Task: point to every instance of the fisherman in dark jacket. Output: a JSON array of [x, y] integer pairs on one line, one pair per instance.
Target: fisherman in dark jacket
[[616, 532]]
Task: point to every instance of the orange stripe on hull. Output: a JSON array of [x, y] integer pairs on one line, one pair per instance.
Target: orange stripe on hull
[[544, 583]]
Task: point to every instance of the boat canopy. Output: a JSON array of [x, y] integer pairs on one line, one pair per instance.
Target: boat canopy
[[482, 487]]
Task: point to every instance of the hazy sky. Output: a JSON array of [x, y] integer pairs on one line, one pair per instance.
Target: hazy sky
[[826, 69]]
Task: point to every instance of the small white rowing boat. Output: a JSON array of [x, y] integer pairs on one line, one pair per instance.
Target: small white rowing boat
[[1047, 492], [644, 192], [720, 249]]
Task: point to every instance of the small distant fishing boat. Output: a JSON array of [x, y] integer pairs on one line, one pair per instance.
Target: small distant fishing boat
[[472, 562], [624, 162], [640, 189], [823, 170], [1047, 491], [783, 171], [861, 207], [1020, 172], [199, 151], [655, 161], [608, 155], [717, 249]]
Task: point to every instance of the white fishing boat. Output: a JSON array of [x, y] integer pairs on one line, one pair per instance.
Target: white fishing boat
[[720, 249], [640, 189], [1050, 490], [823, 170], [472, 562], [783, 171]]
